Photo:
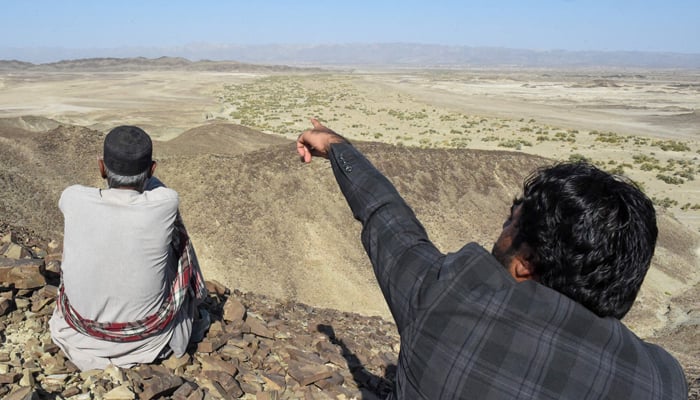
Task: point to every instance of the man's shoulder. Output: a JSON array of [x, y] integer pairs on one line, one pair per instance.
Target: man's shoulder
[[473, 258], [79, 190], [666, 365], [161, 193]]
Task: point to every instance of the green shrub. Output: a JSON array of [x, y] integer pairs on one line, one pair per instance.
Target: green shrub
[[576, 157], [671, 180], [671, 145], [664, 203], [514, 144]]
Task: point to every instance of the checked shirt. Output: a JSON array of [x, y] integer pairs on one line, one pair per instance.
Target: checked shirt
[[469, 331]]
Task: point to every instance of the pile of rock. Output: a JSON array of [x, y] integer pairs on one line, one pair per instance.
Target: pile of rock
[[255, 348]]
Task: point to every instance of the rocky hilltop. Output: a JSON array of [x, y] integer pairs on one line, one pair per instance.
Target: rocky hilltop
[[256, 347], [280, 237]]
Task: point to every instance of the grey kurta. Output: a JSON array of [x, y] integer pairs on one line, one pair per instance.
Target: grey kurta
[[117, 267]]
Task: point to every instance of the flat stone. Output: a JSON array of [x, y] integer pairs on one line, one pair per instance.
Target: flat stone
[[53, 266], [115, 374], [160, 386], [211, 381], [50, 348], [216, 328], [240, 342], [184, 391], [38, 252], [307, 374], [214, 286], [22, 393], [210, 363], [236, 353], [306, 356], [258, 328], [122, 392], [275, 382], [27, 379], [23, 274], [269, 395], [211, 344], [38, 306], [15, 251], [58, 379], [54, 245], [48, 291], [230, 385], [174, 362], [23, 304], [234, 310], [6, 306], [250, 382], [10, 378], [9, 237], [196, 395], [71, 391]]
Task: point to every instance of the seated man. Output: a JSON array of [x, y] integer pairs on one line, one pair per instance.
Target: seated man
[[130, 281], [536, 318]]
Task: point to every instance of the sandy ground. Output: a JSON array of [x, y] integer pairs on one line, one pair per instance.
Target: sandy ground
[[164, 103], [619, 119], [645, 124]]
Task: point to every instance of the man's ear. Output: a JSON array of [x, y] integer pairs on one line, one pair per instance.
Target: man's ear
[[521, 267], [153, 168], [103, 170]]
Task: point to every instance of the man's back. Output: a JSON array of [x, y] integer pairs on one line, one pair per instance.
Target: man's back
[[117, 267], [118, 240], [473, 330]]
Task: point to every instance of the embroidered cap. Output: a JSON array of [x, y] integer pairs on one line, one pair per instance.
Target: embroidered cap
[[127, 150]]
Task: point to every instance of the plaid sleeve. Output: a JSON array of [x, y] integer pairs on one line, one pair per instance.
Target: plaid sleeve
[[394, 239]]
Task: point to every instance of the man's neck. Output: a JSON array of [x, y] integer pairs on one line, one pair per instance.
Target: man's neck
[[127, 188]]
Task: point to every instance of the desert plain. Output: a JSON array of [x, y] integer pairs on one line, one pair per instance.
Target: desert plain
[[642, 123], [456, 142]]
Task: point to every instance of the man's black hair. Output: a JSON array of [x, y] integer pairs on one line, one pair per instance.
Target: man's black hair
[[592, 235]]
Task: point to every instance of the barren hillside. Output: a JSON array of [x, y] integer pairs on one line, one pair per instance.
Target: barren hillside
[[263, 222]]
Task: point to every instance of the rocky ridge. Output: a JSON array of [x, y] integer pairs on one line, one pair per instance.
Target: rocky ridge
[[255, 348]]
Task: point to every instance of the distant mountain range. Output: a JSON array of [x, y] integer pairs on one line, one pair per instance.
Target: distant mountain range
[[108, 64], [373, 55]]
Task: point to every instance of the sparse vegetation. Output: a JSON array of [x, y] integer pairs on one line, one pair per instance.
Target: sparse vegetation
[[516, 144], [280, 104], [576, 157], [671, 180], [609, 137], [664, 203], [671, 145]]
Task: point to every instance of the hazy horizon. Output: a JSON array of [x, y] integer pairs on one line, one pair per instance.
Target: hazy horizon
[[45, 31], [368, 54]]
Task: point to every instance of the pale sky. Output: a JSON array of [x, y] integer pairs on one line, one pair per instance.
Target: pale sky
[[607, 25]]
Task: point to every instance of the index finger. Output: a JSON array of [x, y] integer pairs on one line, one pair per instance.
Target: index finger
[[316, 124]]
